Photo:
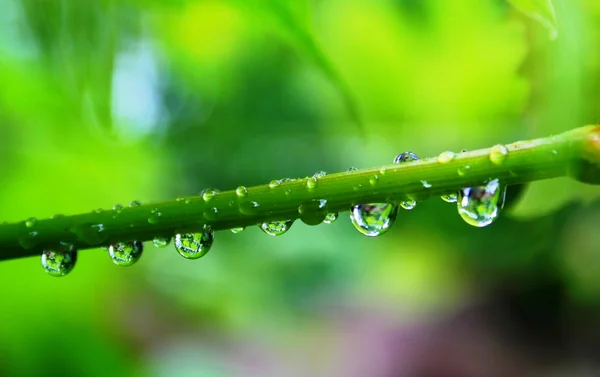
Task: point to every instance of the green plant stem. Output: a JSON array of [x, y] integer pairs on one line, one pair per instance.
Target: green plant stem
[[526, 161]]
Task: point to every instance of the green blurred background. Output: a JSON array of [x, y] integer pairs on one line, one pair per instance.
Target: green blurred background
[[104, 102]]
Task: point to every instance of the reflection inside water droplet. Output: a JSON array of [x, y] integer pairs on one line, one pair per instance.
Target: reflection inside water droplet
[[126, 253], [479, 206], [313, 212], [194, 245], [161, 242], [331, 217], [59, 263], [373, 219], [276, 228]]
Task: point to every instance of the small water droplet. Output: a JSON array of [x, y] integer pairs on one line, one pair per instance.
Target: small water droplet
[[118, 208], [161, 241], [382, 171], [180, 199], [498, 154], [276, 228], [426, 184], [188, 201], [194, 245], [126, 253], [405, 157], [373, 180], [249, 208], [155, 216], [241, 191], [274, 183], [313, 212], [237, 230], [445, 157], [401, 158], [99, 210], [479, 206], [211, 214], [319, 174], [208, 194], [350, 170], [59, 263], [30, 222], [357, 187], [135, 203], [330, 218], [373, 219], [463, 170], [450, 198], [311, 182]]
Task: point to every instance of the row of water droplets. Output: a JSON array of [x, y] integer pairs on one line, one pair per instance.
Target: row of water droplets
[[478, 206]]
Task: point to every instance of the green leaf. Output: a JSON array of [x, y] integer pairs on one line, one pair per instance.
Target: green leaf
[[541, 11]]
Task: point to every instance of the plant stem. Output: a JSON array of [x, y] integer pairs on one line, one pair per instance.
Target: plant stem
[[526, 161]]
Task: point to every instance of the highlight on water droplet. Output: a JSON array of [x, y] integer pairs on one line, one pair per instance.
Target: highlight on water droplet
[[135, 203], [161, 242], [479, 206], [241, 191], [276, 228], [450, 198], [237, 230], [373, 219], [445, 157], [313, 212], [274, 183], [208, 194], [426, 184], [59, 263], [194, 245], [126, 253], [30, 222], [498, 154], [330, 218], [406, 157]]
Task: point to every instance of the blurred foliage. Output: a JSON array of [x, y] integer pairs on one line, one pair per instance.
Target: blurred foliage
[[106, 101]]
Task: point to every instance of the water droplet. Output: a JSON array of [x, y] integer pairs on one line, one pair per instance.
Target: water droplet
[[382, 171], [241, 191], [498, 154], [194, 245], [319, 174], [330, 218], [99, 210], [479, 206], [463, 170], [373, 180], [313, 212], [92, 234], [445, 157], [29, 239], [118, 208], [311, 182], [211, 214], [126, 253], [161, 241], [373, 219], [275, 183], [276, 228], [180, 199], [350, 170], [426, 184], [450, 198], [237, 230], [59, 263], [208, 194], [405, 157], [154, 216], [188, 201], [30, 222], [249, 208], [135, 203]]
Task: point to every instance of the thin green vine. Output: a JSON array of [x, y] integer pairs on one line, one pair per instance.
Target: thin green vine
[[575, 153]]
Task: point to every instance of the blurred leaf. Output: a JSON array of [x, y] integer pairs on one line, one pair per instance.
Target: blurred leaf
[[541, 11]]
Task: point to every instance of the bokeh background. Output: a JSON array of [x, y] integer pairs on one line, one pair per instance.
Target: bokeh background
[[104, 102]]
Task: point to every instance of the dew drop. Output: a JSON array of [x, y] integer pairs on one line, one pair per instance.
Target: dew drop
[[445, 157], [180, 199], [135, 203], [426, 184], [450, 198], [276, 228], [274, 183], [241, 192], [161, 241], [58, 263], [406, 157], [350, 170], [30, 222], [118, 208], [208, 194], [463, 170], [498, 154], [237, 230], [382, 171], [374, 180], [211, 214], [373, 219], [311, 182], [313, 212], [479, 206], [126, 253], [249, 208], [155, 216], [330, 218], [194, 245], [99, 210]]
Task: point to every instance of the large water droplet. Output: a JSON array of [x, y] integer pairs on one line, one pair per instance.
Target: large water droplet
[[313, 212], [194, 245], [479, 206], [498, 154], [59, 263], [161, 241], [126, 253], [373, 219], [351, 169], [445, 157], [276, 228], [208, 194], [241, 191], [406, 157]]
